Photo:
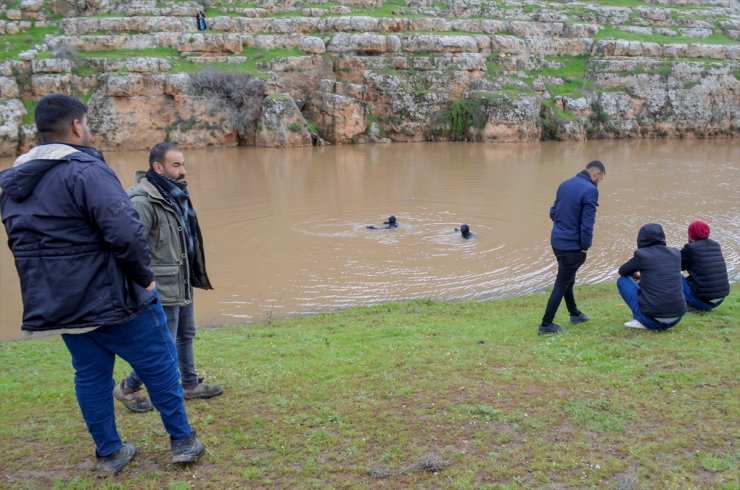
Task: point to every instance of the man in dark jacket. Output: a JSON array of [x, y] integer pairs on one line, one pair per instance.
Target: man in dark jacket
[[707, 284], [657, 301], [84, 272], [171, 228], [573, 215]]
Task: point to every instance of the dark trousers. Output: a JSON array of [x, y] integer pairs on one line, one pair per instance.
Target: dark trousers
[[568, 264]]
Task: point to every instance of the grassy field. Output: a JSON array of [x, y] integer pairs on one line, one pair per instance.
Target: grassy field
[[377, 397]]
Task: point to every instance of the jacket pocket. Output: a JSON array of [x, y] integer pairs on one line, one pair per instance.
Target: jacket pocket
[[170, 284]]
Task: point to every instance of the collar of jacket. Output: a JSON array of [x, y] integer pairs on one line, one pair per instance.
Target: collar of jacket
[[145, 186], [50, 151], [585, 175], [56, 151]]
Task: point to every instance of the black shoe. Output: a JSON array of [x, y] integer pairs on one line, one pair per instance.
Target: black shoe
[[580, 318], [551, 328], [112, 464], [187, 450]]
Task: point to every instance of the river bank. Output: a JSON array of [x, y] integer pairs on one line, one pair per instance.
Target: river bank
[[299, 74], [359, 398]]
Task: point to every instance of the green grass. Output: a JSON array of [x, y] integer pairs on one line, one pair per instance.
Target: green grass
[[11, 45], [572, 71], [130, 53], [256, 59], [568, 116], [389, 9], [30, 106], [317, 401], [615, 33]]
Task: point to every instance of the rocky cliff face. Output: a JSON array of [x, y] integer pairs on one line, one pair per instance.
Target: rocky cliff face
[[373, 70]]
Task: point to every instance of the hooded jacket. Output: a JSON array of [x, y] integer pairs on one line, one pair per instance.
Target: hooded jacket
[[165, 234], [707, 269], [661, 290], [76, 239], [573, 214]]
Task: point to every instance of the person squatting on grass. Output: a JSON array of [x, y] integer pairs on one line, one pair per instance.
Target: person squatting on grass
[[84, 271], [707, 284], [573, 216], [171, 229], [657, 302]]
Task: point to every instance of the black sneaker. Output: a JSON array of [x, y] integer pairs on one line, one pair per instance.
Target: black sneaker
[[580, 318], [551, 328], [112, 464], [187, 450]]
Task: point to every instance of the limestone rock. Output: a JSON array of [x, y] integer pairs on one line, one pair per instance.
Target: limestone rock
[[438, 44], [209, 43], [281, 124], [28, 138], [144, 118], [46, 84], [298, 76], [508, 118], [365, 43], [8, 88], [51, 65], [312, 45], [11, 115], [339, 118]]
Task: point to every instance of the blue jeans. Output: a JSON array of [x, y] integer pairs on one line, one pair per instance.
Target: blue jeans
[[630, 292], [695, 302], [147, 345], [568, 264], [181, 323]]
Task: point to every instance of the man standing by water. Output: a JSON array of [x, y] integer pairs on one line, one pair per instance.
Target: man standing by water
[[171, 228], [573, 215], [84, 272]]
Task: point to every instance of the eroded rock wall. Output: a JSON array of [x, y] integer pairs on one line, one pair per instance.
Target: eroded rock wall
[[344, 77]]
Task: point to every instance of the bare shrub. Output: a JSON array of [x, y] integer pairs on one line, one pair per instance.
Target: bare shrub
[[241, 91], [65, 52]]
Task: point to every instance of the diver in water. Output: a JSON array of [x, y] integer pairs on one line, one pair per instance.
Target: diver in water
[[389, 223], [465, 232]]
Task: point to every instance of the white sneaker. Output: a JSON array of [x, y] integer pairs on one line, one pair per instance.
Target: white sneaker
[[635, 324]]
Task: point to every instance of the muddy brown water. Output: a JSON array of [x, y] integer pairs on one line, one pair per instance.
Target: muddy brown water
[[285, 230]]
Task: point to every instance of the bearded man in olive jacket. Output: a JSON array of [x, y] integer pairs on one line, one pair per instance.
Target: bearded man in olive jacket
[[178, 262]]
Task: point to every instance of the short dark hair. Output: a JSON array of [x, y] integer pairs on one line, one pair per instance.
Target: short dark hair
[[54, 113], [596, 165], [158, 151]]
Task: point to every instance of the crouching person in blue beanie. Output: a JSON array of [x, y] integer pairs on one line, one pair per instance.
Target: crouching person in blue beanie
[[650, 282]]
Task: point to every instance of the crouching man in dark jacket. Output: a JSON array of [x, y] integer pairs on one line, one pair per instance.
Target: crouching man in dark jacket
[[657, 301], [707, 284], [84, 271]]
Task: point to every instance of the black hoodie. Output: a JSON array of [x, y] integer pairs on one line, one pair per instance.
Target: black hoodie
[[661, 291]]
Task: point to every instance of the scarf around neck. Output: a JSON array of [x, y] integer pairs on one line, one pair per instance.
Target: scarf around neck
[[177, 195]]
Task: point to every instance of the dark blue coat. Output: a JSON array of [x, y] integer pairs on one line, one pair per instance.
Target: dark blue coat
[[661, 289], [707, 269], [573, 214], [76, 239]]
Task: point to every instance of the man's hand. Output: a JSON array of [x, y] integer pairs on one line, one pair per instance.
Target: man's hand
[[151, 286]]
